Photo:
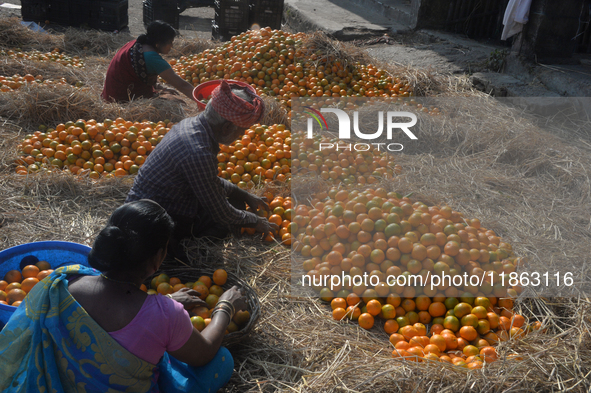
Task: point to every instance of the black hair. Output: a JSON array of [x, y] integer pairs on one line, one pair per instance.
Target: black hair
[[157, 32], [134, 233]]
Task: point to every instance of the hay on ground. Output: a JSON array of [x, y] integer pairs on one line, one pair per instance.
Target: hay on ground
[[530, 184]]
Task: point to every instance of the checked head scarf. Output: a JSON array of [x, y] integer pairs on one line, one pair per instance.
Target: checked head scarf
[[235, 109]]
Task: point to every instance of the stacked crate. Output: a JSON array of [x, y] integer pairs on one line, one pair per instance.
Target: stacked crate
[[267, 13], [34, 10], [105, 15], [232, 17], [164, 10], [109, 15]]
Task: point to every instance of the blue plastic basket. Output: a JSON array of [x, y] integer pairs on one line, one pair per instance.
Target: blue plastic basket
[[55, 252]]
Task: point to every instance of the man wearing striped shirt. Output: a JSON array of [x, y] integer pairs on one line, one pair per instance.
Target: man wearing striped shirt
[[181, 172]]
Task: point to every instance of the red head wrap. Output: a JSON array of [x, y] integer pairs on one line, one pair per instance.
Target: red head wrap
[[235, 109]]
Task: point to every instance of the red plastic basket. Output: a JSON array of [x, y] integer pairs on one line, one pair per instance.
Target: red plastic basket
[[204, 90]]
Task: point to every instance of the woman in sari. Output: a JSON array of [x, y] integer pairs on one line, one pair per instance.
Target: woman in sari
[[134, 70], [87, 330]]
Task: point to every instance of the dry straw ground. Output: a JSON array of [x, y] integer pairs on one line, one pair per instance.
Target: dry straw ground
[[527, 180]]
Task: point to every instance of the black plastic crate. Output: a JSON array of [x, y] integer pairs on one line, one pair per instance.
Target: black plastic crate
[[224, 34], [232, 14], [34, 10], [275, 5], [59, 12], [80, 12], [267, 13], [164, 10], [109, 15]]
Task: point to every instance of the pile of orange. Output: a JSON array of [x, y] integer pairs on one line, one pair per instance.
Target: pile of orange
[[17, 284], [261, 156], [381, 234], [11, 83], [347, 166], [210, 290], [107, 149], [55, 56], [281, 214], [275, 64]]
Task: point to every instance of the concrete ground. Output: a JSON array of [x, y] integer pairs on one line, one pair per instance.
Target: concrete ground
[[363, 20]]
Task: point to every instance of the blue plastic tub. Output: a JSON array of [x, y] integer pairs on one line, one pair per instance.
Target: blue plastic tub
[[55, 252]]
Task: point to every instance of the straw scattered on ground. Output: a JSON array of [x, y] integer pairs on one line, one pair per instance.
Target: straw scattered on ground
[[526, 180]]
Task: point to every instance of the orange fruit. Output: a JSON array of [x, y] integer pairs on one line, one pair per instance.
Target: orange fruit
[[13, 276], [432, 348], [3, 285], [232, 327], [158, 280], [518, 320], [451, 323], [202, 289], [470, 350], [339, 313], [438, 340], [353, 312], [489, 354], [216, 290], [211, 300], [436, 328], [417, 352], [28, 284], [164, 288], [15, 295], [30, 271], [408, 331], [338, 302], [11, 286], [401, 353], [391, 326], [469, 320], [474, 365], [504, 323], [388, 311], [468, 333], [220, 277], [396, 338], [402, 345], [198, 323], [201, 311], [419, 341], [437, 309], [205, 280], [451, 341], [44, 273], [366, 321], [374, 307], [43, 265], [241, 317], [353, 299], [462, 309]]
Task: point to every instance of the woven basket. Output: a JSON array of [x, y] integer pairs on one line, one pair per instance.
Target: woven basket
[[188, 274]]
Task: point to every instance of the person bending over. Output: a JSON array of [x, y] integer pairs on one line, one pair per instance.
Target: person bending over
[[181, 173], [134, 70]]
